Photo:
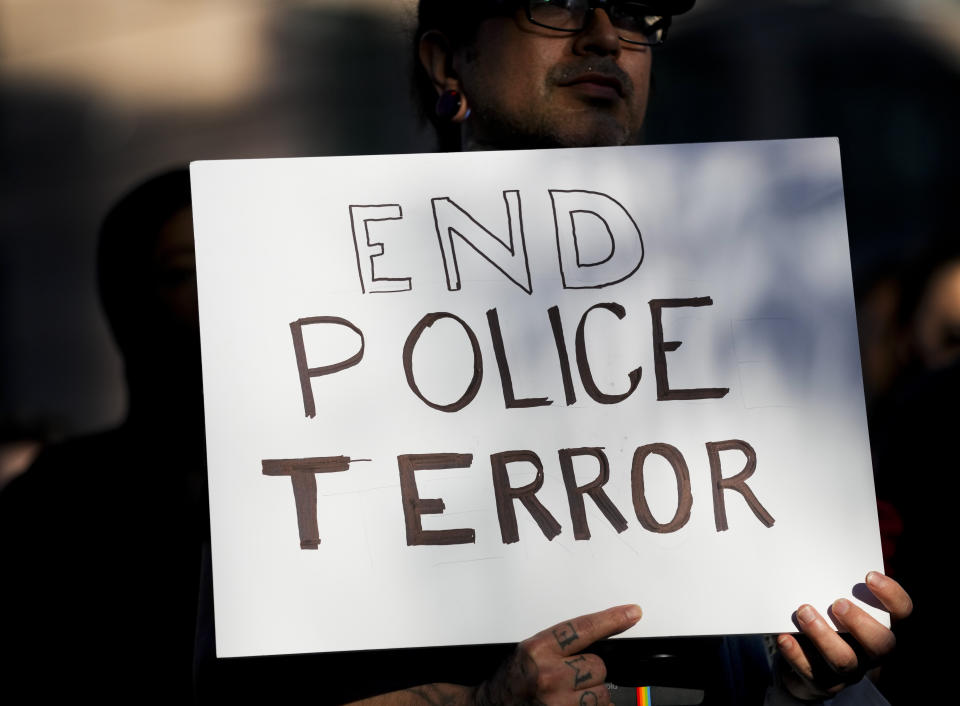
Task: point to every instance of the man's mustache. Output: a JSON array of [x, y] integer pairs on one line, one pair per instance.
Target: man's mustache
[[607, 66]]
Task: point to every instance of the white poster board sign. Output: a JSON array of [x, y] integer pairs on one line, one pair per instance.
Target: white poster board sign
[[459, 398]]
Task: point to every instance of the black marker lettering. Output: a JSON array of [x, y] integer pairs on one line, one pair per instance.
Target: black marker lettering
[[737, 482], [684, 495], [302, 472], [506, 380], [414, 506], [594, 489], [583, 365], [306, 372], [557, 326], [367, 250], [509, 257], [505, 495], [626, 244], [411, 343], [661, 348]]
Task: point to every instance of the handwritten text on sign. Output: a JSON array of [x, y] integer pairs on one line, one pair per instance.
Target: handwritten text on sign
[[372, 327]]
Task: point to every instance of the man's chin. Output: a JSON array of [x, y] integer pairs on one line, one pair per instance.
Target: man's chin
[[590, 126], [601, 134], [597, 129], [598, 139]]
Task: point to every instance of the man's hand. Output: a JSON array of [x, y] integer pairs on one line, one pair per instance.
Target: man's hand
[[828, 663], [550, 669]]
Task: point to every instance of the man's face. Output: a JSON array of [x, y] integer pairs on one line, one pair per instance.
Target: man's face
[[529, 86]]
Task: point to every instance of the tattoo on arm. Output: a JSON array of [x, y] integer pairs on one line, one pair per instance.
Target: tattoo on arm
[[437, 695], [579, 675], [565, 635]]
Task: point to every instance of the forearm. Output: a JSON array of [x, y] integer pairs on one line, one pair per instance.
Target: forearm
[[425, 695]]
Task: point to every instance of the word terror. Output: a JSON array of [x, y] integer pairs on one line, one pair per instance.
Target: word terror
[[303, 472]]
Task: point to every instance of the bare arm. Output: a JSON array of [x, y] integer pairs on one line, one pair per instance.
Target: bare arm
[[426, 695]]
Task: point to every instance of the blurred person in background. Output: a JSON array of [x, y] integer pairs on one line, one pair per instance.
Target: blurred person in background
[[913, 434], [936, 324], [913, 425], [909, 318], [100, 540]]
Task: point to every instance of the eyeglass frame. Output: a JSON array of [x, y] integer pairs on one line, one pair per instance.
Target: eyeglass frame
[[601, 5]]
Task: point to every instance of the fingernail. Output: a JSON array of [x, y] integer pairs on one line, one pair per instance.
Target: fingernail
[[805, 614], [634, 612], [784, 642], [876, 579], [841, 606]]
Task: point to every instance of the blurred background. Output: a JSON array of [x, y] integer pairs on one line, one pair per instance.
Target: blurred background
[[97, 95]]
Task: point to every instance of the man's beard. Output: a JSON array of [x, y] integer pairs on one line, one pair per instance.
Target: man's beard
[[506, 133], [505, 130]]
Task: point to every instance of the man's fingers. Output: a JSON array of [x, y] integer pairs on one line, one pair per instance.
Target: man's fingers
[[891, 594], [828, 660], [838, 655], [582, 672], [548, 668], [805, 679], [596, 696], [560, 680], [575, 635], [875, 639], [793, 653]]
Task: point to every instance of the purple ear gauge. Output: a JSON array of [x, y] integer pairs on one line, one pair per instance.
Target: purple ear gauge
[[449, 104]]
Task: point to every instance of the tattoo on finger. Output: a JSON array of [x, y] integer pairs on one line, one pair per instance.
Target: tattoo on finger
[[589, 699], [579, 667], [565, 635]]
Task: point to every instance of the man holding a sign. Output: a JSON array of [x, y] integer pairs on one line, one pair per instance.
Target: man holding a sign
[[575, 73], [385, 439], [415, 530]]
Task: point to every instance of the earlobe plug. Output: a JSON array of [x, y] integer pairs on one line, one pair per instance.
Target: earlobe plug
[[452, 106]]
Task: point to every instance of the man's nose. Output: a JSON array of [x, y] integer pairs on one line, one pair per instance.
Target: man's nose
[[599, 36]]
